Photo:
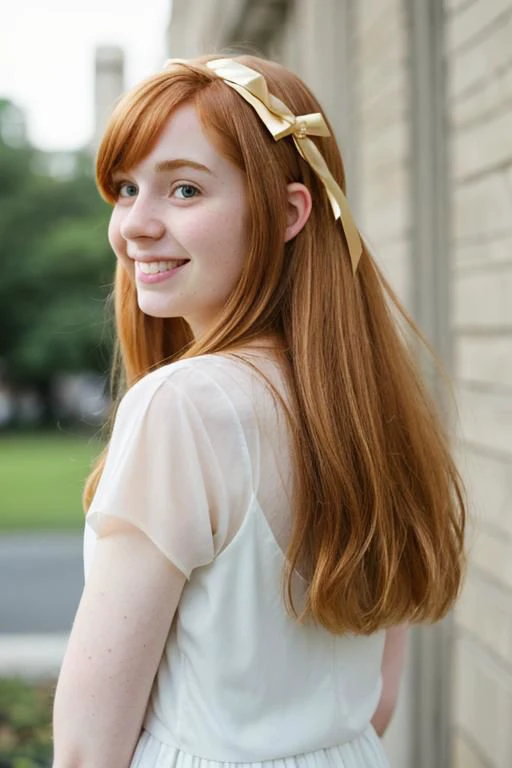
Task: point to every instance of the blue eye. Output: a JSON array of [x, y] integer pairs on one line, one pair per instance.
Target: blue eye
[[126, 189], [122, 184], [188, 191]]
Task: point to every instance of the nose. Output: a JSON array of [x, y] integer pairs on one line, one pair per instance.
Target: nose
[[142, 220]]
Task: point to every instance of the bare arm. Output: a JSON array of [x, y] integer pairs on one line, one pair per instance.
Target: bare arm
[[392, 664], [114, 650]]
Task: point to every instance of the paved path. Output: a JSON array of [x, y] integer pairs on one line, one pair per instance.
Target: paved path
[[32, 656], [41, 580]]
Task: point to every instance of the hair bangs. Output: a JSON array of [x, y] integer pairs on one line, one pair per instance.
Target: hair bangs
[[138, 120]]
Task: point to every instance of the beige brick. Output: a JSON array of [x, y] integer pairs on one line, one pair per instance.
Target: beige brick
[[398, 277], [376, 168], [481, 123], [484, 60], [485, 360], [381, 52], [367, 13], [391, 173], [503, 85], [393, 260], [200, 26], [377, 23], [382, 129], [498, 48], [389, 33], [387, 184], [486, 418], [483, 701], [467, 70], [388, 106], [497, 251], [396, 271], [482, 298], [396, 249], [493, 555], [482, 104], [486, 612], [465, 756], [390, 144], [474, 20], [376, 77], [488, 482], [382, 85], [483, 146], [385, 222], [451, 6], [478, 105], [483, 206]]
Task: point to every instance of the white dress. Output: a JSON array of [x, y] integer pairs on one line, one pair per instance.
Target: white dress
[[199, 460]]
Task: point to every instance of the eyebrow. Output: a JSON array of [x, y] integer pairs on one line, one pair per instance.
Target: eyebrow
[[171, 165]]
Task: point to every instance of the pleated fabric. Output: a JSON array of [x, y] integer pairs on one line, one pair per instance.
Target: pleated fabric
[[364, 751]]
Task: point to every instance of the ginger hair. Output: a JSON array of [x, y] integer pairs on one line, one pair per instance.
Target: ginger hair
[[379, 507]]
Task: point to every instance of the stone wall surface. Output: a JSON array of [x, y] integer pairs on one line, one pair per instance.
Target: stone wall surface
[[362, 60], [381, 123], [479, 56], [378, 112]]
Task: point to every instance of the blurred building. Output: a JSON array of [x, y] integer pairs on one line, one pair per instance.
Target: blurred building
[[108, 86], [420, 94]]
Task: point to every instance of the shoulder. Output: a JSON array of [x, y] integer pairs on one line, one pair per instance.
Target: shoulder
[[209, 388]]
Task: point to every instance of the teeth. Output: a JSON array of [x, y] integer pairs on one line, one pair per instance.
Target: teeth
[[153, 267]]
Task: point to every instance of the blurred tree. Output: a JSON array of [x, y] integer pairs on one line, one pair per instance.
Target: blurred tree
[[13, 128], [57, 268]]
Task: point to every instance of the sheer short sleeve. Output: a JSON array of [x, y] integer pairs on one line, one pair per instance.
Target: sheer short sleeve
[[169, 468]]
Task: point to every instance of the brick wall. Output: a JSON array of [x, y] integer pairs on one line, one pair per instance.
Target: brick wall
[[479, 57], [364, 77], [380, 122], [378, 47]]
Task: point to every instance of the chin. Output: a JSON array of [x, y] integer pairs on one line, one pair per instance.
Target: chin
[[157, 309]]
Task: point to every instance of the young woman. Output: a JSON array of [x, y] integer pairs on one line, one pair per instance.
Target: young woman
[[277, 500]]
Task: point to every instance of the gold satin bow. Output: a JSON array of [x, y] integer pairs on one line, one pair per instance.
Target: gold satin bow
[[276, 116]]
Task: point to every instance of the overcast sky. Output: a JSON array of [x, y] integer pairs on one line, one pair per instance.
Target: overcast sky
[[47, 58]]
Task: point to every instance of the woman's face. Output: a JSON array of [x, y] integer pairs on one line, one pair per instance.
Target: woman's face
[[179, 224]]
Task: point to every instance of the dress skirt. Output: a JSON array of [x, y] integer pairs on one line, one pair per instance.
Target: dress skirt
[[365, 751]]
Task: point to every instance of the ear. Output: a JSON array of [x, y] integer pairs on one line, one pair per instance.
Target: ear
[[299, 208]]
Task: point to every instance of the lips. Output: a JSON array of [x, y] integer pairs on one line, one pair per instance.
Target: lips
[[158, 271], [154, 267]]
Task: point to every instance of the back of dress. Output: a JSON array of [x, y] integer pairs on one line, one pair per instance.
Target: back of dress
[[240, 680]]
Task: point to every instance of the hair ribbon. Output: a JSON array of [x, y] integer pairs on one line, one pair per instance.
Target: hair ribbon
[[252, 86]]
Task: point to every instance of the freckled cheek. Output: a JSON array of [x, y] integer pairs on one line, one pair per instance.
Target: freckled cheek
[[218, 235], [229, 248]]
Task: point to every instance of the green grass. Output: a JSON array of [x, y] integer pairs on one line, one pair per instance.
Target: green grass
[[26, 723], [42, 477]]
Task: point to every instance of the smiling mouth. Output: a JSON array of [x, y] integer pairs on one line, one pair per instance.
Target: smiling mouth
[[156, 272], [154, 267]]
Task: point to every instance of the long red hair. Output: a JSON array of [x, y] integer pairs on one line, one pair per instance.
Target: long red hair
[[379, 509]]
